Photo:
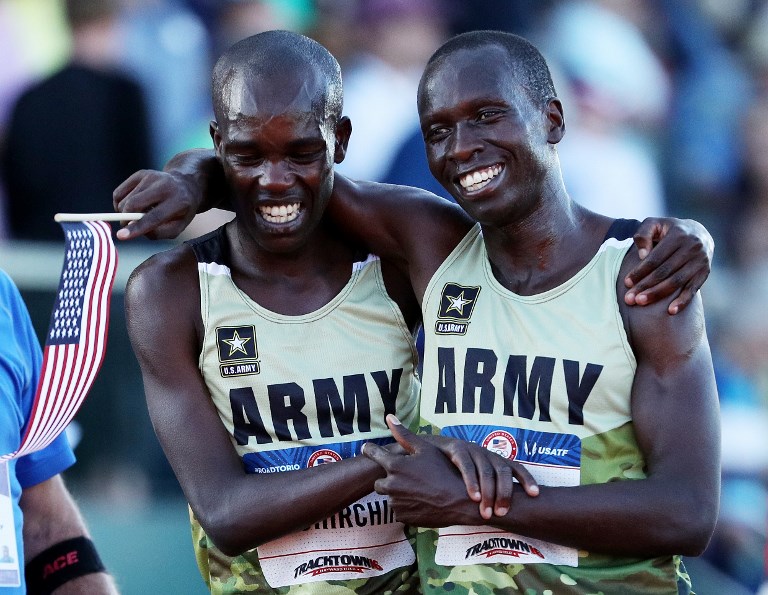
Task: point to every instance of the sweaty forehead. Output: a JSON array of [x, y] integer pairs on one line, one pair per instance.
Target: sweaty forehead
[[264, 94], [467, 73]]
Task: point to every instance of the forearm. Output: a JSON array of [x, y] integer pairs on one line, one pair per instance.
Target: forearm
[[98, 583], [278, 504], [203, 172], [634, 517], [51, 517]]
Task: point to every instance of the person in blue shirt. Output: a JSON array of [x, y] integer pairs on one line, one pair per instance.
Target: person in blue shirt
[[40, 523]]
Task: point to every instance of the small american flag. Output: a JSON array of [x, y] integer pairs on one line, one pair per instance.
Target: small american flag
[[77, 335]]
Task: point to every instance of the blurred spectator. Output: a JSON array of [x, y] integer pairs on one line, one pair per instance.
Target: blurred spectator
[[616, 94], [749, 241], [75, 135], [33, 38], [712, 88], [741, 364], [167, 50], [397, 37]]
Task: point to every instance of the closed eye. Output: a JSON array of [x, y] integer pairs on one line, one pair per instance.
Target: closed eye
[[487, 114], [302, 157]]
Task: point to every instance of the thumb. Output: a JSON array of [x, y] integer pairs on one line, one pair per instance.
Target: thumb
[[405, 438]]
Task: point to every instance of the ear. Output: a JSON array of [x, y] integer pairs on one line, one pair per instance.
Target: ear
[[343, 132], [213, 128], [555, 120]]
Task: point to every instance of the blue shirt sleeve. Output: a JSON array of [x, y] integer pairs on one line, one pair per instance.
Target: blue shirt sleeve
[[20, 362]]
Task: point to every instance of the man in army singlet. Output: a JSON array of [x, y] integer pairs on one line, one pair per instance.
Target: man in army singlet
[[531, 352]]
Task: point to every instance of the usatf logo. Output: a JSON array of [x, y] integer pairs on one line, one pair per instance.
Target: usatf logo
[[336, 563], [502, 546], [502, 443], [456, 305], [323, 456], [238, 353]]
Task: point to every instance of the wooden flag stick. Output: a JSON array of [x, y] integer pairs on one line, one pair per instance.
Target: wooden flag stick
[[59, 217]]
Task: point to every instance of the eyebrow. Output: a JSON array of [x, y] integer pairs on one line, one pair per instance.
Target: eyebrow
[[295, 143]]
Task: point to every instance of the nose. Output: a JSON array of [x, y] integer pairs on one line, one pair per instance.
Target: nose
[[274, 176], [464, 142]]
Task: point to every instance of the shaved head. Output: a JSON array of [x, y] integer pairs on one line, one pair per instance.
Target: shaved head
[[276, 68]]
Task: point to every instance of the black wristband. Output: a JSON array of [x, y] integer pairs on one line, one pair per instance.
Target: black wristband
[[61, 563]]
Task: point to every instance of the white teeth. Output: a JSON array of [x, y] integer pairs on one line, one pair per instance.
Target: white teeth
[[281, 213], [480, 178]]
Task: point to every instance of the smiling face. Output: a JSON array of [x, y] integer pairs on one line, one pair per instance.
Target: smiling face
[[277, 141], [488, 142]]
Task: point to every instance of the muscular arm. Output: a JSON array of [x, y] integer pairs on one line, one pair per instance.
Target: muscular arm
[[51, 516], [676, 422], [675, 414], [237, 510]]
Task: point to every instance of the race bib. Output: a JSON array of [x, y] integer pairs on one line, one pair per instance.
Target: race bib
[[552, 459], [363, 540]]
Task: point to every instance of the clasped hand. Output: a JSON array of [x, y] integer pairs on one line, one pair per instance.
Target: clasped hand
[[436, 481]]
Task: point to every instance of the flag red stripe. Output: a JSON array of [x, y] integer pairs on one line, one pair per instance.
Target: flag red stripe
[[69, 370]]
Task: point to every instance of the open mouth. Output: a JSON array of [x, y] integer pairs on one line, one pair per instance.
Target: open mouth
[[479, 178], [280, 213]]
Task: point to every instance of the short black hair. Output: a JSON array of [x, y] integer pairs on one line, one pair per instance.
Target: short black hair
[[270, 55], [525, 58]]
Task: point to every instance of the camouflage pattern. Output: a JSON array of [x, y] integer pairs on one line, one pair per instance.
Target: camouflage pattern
[[624, 577], [612, 456], [225, 575]]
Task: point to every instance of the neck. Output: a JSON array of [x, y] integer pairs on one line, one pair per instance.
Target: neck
[[319, 253], [544, 248], [295, 282]]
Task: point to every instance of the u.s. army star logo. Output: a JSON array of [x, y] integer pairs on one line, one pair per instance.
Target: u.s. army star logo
[[457, 302], [236, 343], [237, 350]]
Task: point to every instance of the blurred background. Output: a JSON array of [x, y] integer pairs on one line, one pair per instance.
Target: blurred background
[[666, 103]]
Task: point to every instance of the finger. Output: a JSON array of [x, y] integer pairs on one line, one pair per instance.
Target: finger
[[504, 486], [377, 454], [681, 284], [666, 277], [405, 438], [686, 296], [486, 475], [381, 486], [160, 222], [463, 461], [124, 189], [648, 266], [647, 235], [526, 480]]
